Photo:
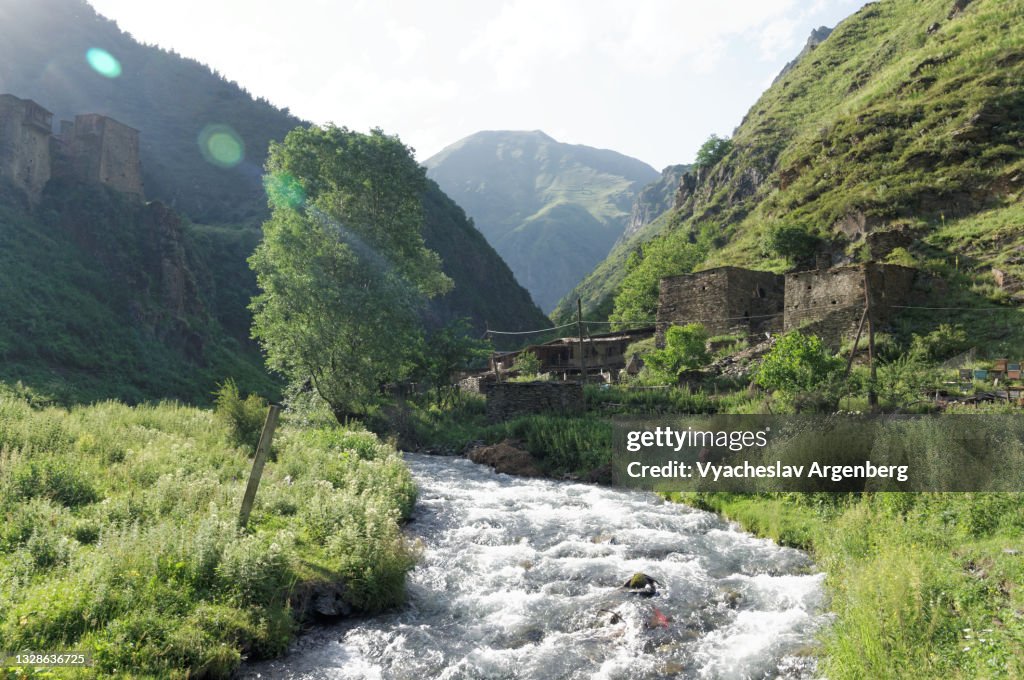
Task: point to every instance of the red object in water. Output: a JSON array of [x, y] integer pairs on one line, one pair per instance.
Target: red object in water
[[659, 619]]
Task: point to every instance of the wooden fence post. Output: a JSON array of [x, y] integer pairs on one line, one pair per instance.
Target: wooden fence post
[[262, 452]]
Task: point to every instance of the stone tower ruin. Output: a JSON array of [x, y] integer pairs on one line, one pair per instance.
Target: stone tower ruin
[[100, 150], [25, 129], [93, 149]]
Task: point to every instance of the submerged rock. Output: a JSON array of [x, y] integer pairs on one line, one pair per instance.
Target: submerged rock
[[641, 584]]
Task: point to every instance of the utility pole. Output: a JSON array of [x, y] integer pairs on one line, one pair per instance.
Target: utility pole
[[872, 395], [579, 327], [856, 341]]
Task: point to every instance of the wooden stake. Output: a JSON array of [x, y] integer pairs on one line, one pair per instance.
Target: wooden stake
[[856, 341], [579, 326], [872, 395], [262, 453]]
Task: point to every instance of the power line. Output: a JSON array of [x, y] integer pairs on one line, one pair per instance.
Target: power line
[[754, 316], [962, 309], [539, 330]]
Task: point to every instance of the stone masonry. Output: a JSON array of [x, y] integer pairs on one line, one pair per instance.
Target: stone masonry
[[101, 150], [25, 129], [726, 300], [93, 148], [826, 302], [829, 302], [508, 400]]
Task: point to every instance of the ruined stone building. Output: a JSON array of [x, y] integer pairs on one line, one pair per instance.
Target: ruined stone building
[[100, 150], [25, 129], [829, 302], [94, 149], [726, 300], [826, 302]]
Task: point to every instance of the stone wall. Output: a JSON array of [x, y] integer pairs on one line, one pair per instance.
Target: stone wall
[[25, 129], [829, 302], [726, 300], [881, 243], [93, 148], [507, 400], [476, 384], [101, 150]]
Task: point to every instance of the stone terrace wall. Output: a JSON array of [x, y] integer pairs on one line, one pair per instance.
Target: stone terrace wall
[[761, 295], [508, 400], [726, 300]]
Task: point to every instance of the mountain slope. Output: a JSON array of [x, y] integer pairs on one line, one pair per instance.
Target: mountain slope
[[907, 116], [551, 210], [485, 289], [170, 100], [647, 220], [103, 297]]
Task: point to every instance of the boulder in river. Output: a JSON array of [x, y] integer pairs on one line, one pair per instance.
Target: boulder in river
[[641, 584], [508, 458]]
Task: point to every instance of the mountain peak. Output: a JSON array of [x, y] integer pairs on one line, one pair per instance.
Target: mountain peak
[[551, 210]]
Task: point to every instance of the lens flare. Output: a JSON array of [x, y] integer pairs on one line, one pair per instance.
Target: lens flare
[[103, 62], [221, 145], [284, 191]]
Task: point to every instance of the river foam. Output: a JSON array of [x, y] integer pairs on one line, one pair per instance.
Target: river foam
[[520, 578]]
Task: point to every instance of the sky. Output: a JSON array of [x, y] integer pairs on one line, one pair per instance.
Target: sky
[[649, 78]]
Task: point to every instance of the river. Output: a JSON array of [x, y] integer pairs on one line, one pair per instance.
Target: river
[[520, 578]]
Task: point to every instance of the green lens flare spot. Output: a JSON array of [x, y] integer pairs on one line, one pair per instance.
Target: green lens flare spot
[[284, 191], [221, 146], [103, 62]]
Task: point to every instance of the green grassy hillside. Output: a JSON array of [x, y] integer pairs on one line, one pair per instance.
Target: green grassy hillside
[[648, 219], [102, 297], [551, 210], [907, 116]]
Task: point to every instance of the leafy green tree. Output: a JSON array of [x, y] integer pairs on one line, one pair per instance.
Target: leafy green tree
[[342, 267], [527, 364], [712, 150], [637, 299], [798, 363], [448, 350], [791, 242], [685, 349]]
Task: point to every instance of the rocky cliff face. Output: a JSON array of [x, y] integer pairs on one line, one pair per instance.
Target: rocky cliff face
[[816, 37], [654, 199]]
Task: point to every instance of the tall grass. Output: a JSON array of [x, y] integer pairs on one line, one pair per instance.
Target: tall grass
[[120, 534], [922, 585]]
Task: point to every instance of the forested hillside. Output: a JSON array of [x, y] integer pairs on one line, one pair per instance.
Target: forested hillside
[[103, 297], [83, 331]]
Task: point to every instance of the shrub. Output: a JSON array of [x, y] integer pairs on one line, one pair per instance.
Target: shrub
[[527, 364], [797, 363], [941, 343], [685, 348], [791, 242], [244, 417], [712, 150]]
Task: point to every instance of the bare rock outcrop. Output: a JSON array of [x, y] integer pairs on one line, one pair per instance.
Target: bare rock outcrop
[[506, 457]]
